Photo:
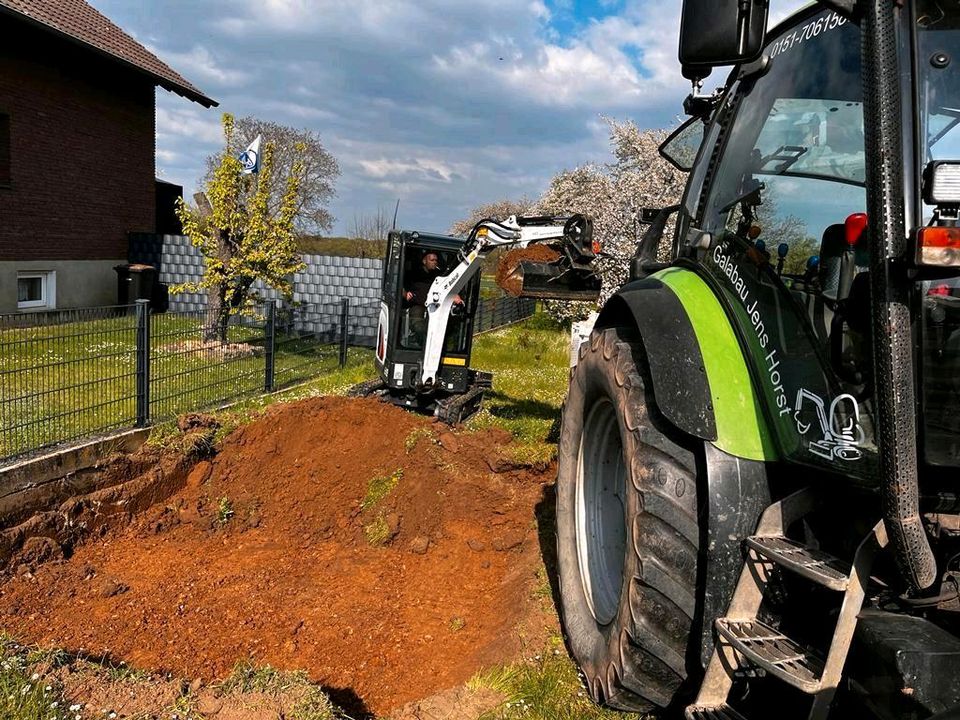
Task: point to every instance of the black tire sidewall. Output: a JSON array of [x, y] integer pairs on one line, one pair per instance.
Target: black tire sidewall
[[593, 645]]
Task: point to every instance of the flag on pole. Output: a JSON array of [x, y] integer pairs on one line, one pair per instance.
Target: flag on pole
[[250, 158]]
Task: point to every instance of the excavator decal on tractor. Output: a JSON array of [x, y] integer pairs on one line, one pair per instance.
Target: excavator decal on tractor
[[840, 430]]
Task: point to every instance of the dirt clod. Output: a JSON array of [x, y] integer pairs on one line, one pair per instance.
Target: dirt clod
[[112, 587], [192, 421], [37, 550], [511, 261], [419, 545], [449, 442], [508, 541], [476, 545], [291, 581]]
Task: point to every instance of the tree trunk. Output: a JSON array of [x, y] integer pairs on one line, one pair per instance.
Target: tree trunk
[[218, 309], [217, 316]]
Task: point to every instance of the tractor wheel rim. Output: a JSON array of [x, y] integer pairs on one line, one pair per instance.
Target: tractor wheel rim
[[600, 516]]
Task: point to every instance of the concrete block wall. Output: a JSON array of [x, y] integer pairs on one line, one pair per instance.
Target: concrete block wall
[[319, 288]]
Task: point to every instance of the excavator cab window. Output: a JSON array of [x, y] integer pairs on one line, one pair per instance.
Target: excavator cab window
[[421, 266]]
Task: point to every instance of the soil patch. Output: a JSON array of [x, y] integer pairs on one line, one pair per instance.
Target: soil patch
[[285, 550], [506, 278]]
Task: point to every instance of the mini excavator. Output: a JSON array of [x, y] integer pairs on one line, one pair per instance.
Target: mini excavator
[[423, 350]]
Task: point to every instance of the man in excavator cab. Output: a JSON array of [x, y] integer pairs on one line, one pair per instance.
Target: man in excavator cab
[[416, 286]]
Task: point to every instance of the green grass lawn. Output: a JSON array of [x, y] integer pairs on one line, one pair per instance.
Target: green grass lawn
[[529, 362], [64, 382]]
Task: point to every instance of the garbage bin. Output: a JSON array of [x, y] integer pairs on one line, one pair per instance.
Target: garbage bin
[[134, 282]]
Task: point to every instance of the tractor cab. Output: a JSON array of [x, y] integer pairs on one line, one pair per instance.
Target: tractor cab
[[412, 261]]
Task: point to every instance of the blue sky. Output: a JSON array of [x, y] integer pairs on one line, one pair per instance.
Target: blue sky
[[444, 104]]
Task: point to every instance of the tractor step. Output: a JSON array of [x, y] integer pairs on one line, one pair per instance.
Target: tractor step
[[720, 712], [816, 566], [771, 650]]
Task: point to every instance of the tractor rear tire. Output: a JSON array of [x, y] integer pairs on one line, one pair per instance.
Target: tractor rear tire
[[627, 532]]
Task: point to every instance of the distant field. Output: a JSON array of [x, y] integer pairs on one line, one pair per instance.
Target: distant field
[[342, 247]]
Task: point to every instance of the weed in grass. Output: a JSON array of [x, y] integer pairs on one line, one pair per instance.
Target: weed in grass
[[377, 532], [183, 708], [543, 687], [313, 704], [118, 671], [27, 695], [379, 487], [416, 436], [247, 677], [225, 511], [51, 657]]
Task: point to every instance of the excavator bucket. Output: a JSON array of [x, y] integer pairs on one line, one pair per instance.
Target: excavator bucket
[[547, 273], [552, 281]]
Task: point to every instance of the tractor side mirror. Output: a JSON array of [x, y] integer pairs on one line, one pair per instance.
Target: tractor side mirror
[[721, 32]]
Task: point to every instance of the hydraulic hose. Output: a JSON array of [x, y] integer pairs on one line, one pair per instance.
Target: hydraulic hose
[[890, 290]]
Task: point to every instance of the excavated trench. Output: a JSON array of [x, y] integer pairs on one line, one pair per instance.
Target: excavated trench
[[385, 555]]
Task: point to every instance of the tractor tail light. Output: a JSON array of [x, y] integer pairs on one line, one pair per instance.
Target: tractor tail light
[[595, 246], [939, 246], [853, 228]]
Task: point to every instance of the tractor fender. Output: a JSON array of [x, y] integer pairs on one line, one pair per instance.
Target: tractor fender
[[680, 382], [702, 385]]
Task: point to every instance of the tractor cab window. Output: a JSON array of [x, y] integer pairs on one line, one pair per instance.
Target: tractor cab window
[[790, 173], [794, 164], [938, 43], [421, 266]]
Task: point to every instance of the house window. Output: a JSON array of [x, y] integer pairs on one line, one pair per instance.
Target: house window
[[4, 149], [36, 290]]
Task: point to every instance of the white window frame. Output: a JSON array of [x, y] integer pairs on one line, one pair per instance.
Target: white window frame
[[48, 290]]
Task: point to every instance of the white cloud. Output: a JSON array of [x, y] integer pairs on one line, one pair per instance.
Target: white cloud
[[424, 167], [199, 65], [412, 96], [185, 121]]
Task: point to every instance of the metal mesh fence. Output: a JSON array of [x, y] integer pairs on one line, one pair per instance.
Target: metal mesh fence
[[75, 374], [496, 312], [66, 375], [192, 367]]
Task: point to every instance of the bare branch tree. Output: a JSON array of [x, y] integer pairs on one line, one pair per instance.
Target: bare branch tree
[[320, 173]]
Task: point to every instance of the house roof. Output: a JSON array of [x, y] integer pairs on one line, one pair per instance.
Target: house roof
[[77, 21]]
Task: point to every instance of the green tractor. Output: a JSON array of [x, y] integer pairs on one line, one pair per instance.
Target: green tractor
[[758, 496]]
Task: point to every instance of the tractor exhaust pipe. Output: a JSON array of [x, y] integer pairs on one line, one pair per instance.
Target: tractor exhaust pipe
[[889, 287]]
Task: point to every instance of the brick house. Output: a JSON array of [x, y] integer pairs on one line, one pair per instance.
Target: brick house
[[77, 151]]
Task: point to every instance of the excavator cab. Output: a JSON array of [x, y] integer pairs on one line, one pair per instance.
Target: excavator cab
[[403, 323]]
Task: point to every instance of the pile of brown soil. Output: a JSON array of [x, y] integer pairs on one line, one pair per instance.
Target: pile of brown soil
[[266, 556], [511, 261]]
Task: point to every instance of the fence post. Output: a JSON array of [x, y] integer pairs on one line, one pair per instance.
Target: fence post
[[344, 329], [270, 335], [143, 363]]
